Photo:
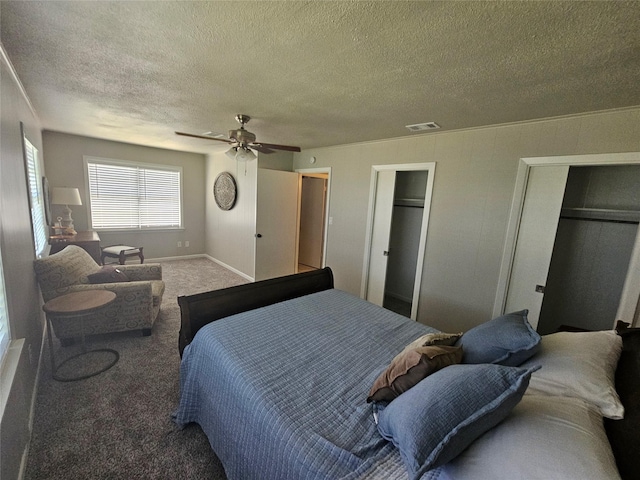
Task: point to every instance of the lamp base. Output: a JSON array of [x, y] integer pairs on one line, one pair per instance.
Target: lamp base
[[66, 222]]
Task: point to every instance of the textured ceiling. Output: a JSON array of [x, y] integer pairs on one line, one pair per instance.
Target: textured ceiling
[[316, 73]]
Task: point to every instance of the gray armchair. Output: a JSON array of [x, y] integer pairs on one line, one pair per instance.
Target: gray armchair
[[136, 306]]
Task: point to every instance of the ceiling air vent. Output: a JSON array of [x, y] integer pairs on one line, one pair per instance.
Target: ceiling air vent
[[421, 127]]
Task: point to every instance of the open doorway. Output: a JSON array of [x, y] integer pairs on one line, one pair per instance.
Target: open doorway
[[593, 248], [404, 240], [536, 209], [399, 204], [312, 224]]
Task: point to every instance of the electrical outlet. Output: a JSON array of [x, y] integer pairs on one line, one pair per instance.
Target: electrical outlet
[[186, 244], [179, 244]]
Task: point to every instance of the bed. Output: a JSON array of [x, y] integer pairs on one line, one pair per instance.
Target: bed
[[283, 376]]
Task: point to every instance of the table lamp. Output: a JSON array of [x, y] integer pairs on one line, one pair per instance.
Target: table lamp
[[66, 196]]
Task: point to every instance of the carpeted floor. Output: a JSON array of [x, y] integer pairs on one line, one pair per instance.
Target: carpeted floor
[[117, 425]]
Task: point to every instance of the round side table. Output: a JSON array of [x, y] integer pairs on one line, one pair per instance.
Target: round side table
[[78, 305]]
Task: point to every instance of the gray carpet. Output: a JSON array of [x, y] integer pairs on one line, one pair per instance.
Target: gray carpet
[[117, 425]]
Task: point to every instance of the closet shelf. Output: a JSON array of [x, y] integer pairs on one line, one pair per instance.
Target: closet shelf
[[603, 214], [409, 202]]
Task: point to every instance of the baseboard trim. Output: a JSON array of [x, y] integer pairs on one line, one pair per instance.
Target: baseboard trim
[[32, 408], [201, 255], [398, 297], [177, 257], [228, 267]]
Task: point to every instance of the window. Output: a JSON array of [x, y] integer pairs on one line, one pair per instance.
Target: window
[[133, 196], [36, 201], [5, 334]]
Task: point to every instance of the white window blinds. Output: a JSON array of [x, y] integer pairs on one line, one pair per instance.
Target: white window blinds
[[131, 196], [36, 202]]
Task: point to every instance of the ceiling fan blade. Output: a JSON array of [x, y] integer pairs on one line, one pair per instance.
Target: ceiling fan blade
[[260, 148], [288, 148], [204, 136]]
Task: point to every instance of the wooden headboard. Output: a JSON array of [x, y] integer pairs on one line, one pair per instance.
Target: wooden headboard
[[202, 308]]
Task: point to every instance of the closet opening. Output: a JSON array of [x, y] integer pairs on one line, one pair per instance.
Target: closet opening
[[404, 240], [593, 248], [398, 219]]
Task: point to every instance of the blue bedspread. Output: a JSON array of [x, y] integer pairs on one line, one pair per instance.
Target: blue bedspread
[[281, 391]]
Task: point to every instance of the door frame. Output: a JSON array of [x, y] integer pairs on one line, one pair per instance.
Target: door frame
[[311, 172], [631, 289], [431, 168]]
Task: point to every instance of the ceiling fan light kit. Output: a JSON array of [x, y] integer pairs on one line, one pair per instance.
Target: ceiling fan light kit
[[241, 154], [243, 142]]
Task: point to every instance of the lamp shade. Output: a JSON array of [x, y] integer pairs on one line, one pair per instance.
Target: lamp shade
[[241, 154], [245, 155], [231, 153], [65, 196]]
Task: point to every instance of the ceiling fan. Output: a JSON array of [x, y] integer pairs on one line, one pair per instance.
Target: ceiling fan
[[243, 141]]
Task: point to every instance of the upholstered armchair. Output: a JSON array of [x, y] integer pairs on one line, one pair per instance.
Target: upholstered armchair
[[139, 290]]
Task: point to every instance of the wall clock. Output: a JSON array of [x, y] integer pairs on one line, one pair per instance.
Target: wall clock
[[225, 191]]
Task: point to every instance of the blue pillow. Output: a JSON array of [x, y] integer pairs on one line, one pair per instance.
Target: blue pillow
[[506, 340], [437, 419]]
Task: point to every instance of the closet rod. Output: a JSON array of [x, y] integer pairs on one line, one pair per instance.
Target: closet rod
[[601, 215], [408, 206], [408, 202], [605, 220]]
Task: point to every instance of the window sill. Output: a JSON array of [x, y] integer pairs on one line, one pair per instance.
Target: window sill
[[9, 368], [137, 230]]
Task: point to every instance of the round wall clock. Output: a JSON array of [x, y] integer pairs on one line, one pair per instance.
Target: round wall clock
[[225, 191]]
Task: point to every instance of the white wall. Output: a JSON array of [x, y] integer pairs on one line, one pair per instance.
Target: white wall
[[474, 182], [65, 168], [230, 233], [23, 297]]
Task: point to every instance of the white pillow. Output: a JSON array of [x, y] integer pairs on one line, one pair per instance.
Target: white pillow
[[582, 365], [543, 438]]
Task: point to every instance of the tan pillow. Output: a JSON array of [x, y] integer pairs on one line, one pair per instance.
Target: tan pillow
[[411, 366], [447, 339]]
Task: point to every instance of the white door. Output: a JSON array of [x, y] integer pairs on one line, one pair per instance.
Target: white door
[[276, 223], [535, 239], [380, 234]]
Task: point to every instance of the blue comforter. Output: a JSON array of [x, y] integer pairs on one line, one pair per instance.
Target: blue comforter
[[281, 391]]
